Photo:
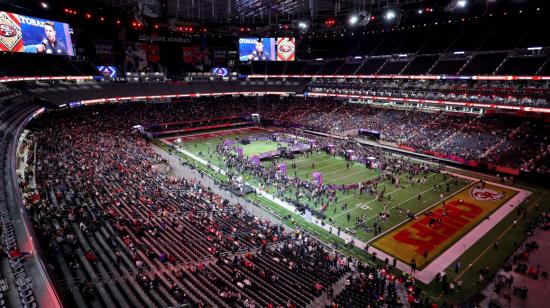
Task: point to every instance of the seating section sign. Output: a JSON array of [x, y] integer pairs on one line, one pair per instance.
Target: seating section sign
[[19, 33]]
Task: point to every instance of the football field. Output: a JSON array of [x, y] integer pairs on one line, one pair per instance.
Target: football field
[[435, 245], [351, 211]]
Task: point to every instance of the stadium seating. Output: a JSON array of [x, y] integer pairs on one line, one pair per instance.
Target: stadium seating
[[109, 224]]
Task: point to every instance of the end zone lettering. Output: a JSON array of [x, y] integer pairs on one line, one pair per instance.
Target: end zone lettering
[[428, 237]]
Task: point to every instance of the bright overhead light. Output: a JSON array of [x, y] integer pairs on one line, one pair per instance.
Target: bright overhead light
[[302, 25], [390, 15], [420, 12], [462, 3], [353, 20], [44, 5]]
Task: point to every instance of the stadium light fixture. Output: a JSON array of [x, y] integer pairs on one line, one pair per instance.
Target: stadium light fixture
[[462, 3], [44, 5], [353, 20], [302, 25], [390, 15], [420, 11]]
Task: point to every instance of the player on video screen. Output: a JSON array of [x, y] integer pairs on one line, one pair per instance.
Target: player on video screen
[[259, 54], [51, 45]]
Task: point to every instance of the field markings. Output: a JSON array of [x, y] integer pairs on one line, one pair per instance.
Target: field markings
[[368, 202], [400, 189], [320, 160], [317, 169], [425, 191], [352, 174]]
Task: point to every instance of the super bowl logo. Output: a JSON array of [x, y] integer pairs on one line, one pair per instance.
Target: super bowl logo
[[10, 33], [486, 194]]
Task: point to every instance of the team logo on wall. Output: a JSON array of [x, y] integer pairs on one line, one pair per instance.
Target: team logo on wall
[[10, 32], [486, 194], [286, 49]]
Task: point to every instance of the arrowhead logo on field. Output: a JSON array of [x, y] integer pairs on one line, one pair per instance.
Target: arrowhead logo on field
[[486, 194]]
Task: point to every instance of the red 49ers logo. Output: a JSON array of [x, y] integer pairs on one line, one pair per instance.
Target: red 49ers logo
[[486, 194], [10, 33], [7, 31]]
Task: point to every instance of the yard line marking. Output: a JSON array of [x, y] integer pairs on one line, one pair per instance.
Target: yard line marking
[[317, 169], [355, 173], [368, 202], [320, 160], [417, 197], [400, 189]]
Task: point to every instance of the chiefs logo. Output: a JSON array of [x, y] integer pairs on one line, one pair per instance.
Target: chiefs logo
[[10, 32], [486, 194]]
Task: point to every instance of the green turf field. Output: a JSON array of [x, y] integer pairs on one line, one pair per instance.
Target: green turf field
[[335, 171], [256, 147], [481, 255]]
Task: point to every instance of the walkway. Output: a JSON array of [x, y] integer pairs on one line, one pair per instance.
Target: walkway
[[539, 290]]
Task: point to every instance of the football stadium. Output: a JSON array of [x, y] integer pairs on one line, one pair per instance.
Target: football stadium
[[277, 154]]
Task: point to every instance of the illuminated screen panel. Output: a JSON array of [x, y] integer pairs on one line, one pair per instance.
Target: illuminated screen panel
[[220, 71], [267, 49], [286, 49], [107, 71], [19, 33]]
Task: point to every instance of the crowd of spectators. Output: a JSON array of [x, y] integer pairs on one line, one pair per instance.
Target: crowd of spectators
[[117, 228], [531, 93]]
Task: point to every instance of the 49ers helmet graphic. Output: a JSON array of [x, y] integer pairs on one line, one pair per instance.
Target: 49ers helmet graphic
[[486, 194], [11, 37], [286, 49]]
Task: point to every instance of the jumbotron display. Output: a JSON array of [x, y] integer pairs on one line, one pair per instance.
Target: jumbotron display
[[19, 33], [267, 49]]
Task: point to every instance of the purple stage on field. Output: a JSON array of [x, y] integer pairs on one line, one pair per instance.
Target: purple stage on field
[[317, 177], [255, 159], [269, 154], [281, 167]]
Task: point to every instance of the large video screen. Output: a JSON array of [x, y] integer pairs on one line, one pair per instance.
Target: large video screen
[[19, 33], [267, 49]]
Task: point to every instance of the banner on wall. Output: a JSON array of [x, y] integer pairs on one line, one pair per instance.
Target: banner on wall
[[219, 56], [135, 56], [20, 33], [188, 54], [104, 52], [153, 53]]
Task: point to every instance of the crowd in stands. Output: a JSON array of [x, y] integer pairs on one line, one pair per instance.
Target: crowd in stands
[[508, 141], [118, 230], [532, 93]]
